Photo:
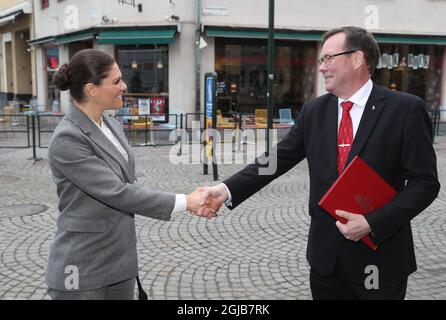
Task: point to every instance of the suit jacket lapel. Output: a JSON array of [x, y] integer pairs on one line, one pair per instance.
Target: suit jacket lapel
[[372, 110], [95, 134], [122, 139], [332, 133]]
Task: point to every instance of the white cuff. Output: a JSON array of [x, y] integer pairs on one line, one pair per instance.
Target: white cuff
[[228, 201], [180, 203]]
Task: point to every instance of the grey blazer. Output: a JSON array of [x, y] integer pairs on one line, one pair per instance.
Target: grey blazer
[[97, 202]]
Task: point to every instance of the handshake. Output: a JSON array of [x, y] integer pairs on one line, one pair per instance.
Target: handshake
[[206, 201]]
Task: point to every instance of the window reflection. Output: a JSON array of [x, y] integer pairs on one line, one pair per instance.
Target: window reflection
[[145, 70], [52, 65], [414, 69], [241, 65]]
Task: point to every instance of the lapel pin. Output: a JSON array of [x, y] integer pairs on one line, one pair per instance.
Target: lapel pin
[[373, 107]]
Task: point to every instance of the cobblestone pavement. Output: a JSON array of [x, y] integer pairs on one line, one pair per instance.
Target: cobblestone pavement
[[254, 252]]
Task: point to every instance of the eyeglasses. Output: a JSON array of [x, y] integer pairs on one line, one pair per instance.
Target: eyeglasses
[[328, 59]]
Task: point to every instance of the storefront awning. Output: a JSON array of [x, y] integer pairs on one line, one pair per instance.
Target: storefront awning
[[8, 19], [37, 41], [226, 32], [73, 37], [262, 34], [8, 15], [424, 39], [145, 36]]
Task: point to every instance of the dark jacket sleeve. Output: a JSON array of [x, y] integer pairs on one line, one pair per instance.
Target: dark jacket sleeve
[[419, 166]]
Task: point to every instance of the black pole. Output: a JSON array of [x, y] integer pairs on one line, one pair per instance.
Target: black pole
[[270, 81], [27, 131], [38, 130], [205, 164], [33, 128], [34, 135], [145, 134], [179, 137]]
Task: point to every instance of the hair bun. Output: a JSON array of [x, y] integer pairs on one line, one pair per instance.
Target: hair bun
[[61, 79]]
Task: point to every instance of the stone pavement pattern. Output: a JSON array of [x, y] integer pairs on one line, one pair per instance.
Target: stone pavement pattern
[[254, 252]]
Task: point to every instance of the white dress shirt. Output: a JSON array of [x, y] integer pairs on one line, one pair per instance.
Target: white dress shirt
[[359, 99], [180, 199], [110, 136]]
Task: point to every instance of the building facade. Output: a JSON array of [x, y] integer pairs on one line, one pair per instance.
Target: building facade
[[162, 45], [16, 61]]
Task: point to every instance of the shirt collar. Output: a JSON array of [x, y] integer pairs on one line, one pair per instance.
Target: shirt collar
[[99, 125], [361, 96]]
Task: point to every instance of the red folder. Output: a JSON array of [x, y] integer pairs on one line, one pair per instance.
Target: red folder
[[359, 189]]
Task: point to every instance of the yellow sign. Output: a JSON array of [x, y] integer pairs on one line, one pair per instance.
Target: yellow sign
[[208, 138]]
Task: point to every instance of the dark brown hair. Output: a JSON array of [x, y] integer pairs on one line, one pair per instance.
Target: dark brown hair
[[86, 66], [358, 39]]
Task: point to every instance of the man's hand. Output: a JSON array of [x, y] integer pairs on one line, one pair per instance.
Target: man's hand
[[217, 193], [356, 226], [193, 204]]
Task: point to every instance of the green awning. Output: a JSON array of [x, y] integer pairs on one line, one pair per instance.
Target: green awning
[[38, 41], [67, 38], [263, 34], [317, 36], [146, 36], [388, 38]]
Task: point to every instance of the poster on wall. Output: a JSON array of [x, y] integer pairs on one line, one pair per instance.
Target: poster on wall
[[155, 107], [158, 109], [143, 106], [130, 102], [131, 105]]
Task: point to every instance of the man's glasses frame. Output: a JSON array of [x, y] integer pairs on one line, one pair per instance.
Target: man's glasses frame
[[328, 59]]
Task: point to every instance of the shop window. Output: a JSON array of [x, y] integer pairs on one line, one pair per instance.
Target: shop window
[[44, 4], [241, 66], [145, 71], [413, 69], [52, 65]]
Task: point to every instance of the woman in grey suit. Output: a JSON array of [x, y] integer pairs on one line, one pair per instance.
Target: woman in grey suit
[[93, 255]]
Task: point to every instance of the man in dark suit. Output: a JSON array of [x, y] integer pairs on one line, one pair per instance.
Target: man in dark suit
[[389, 130]]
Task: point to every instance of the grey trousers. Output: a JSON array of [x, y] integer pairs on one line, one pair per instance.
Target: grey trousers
[[124, 290]]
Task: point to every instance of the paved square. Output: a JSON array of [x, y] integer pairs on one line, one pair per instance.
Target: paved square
[[254, 252]]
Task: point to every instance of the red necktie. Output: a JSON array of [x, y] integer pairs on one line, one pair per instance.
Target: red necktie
[[345, 135]]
